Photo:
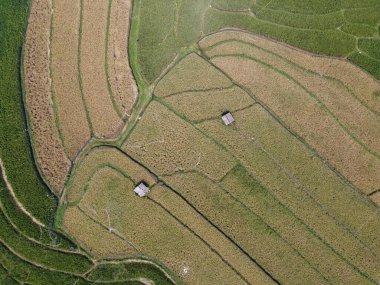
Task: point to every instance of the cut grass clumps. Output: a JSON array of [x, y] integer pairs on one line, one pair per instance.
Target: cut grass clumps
[[192, 73]]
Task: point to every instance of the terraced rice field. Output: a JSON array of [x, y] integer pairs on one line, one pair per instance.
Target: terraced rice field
[[100, 96]]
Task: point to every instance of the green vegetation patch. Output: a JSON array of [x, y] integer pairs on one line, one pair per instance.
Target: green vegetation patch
[[127, 271], [306, 21], [328, 42], [302, 6], [371, 47], [369, 64], [15, 150], [359, 30], [235, 5], [366, 16]]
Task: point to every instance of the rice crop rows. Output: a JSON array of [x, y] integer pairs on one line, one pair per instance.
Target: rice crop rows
[[49, 151]]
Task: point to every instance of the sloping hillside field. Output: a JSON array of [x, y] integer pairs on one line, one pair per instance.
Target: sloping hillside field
[[218, 142]]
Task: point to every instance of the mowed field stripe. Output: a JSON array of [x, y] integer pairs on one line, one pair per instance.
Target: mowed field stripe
[[361, 121], [47, 145], [104, 118], [65, 80], [121, 84], [207, 232]]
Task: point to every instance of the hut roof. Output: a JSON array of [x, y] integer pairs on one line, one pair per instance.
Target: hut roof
[[227, 118], [141, 189]]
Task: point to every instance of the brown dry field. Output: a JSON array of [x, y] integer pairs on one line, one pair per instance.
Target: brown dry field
[[190, 74], [92, 236], [246, 229], [168, 144], [304, 115], [110, 200], [363, 123], [201, 105], [97, 157], [123, 85], [283, 165], [103, 116], [50, 154], [363, 85], [212, 236], [66, 89]]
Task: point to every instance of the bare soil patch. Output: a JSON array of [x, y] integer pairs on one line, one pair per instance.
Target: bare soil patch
[[64, 65], [49, 151]]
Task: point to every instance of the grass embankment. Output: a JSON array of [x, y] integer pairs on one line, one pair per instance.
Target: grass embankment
[[327, 27]]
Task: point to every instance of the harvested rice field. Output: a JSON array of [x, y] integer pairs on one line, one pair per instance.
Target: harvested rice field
[[190, 142]]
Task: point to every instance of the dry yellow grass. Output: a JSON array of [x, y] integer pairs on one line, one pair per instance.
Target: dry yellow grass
[[167, 144], [150, 229], [120, 74], [95, 238], [191, 73], [246, 229], [48, 147], [363, 123], [100, 157], [303, 183], [212, 236], [104, 118], [304, 115], [201, 105], [363, 85], [66, 89]]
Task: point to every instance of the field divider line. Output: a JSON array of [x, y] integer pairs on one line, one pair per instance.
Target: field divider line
[[298, 67], [53, 99], [220, 231], [286, 26], [315, 153], [197, 91], [15, 253], [80, 34], [298, 185], [200, 238], [311, 94], [106, 63], [204, 217], [114, 231], [18, 203]]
